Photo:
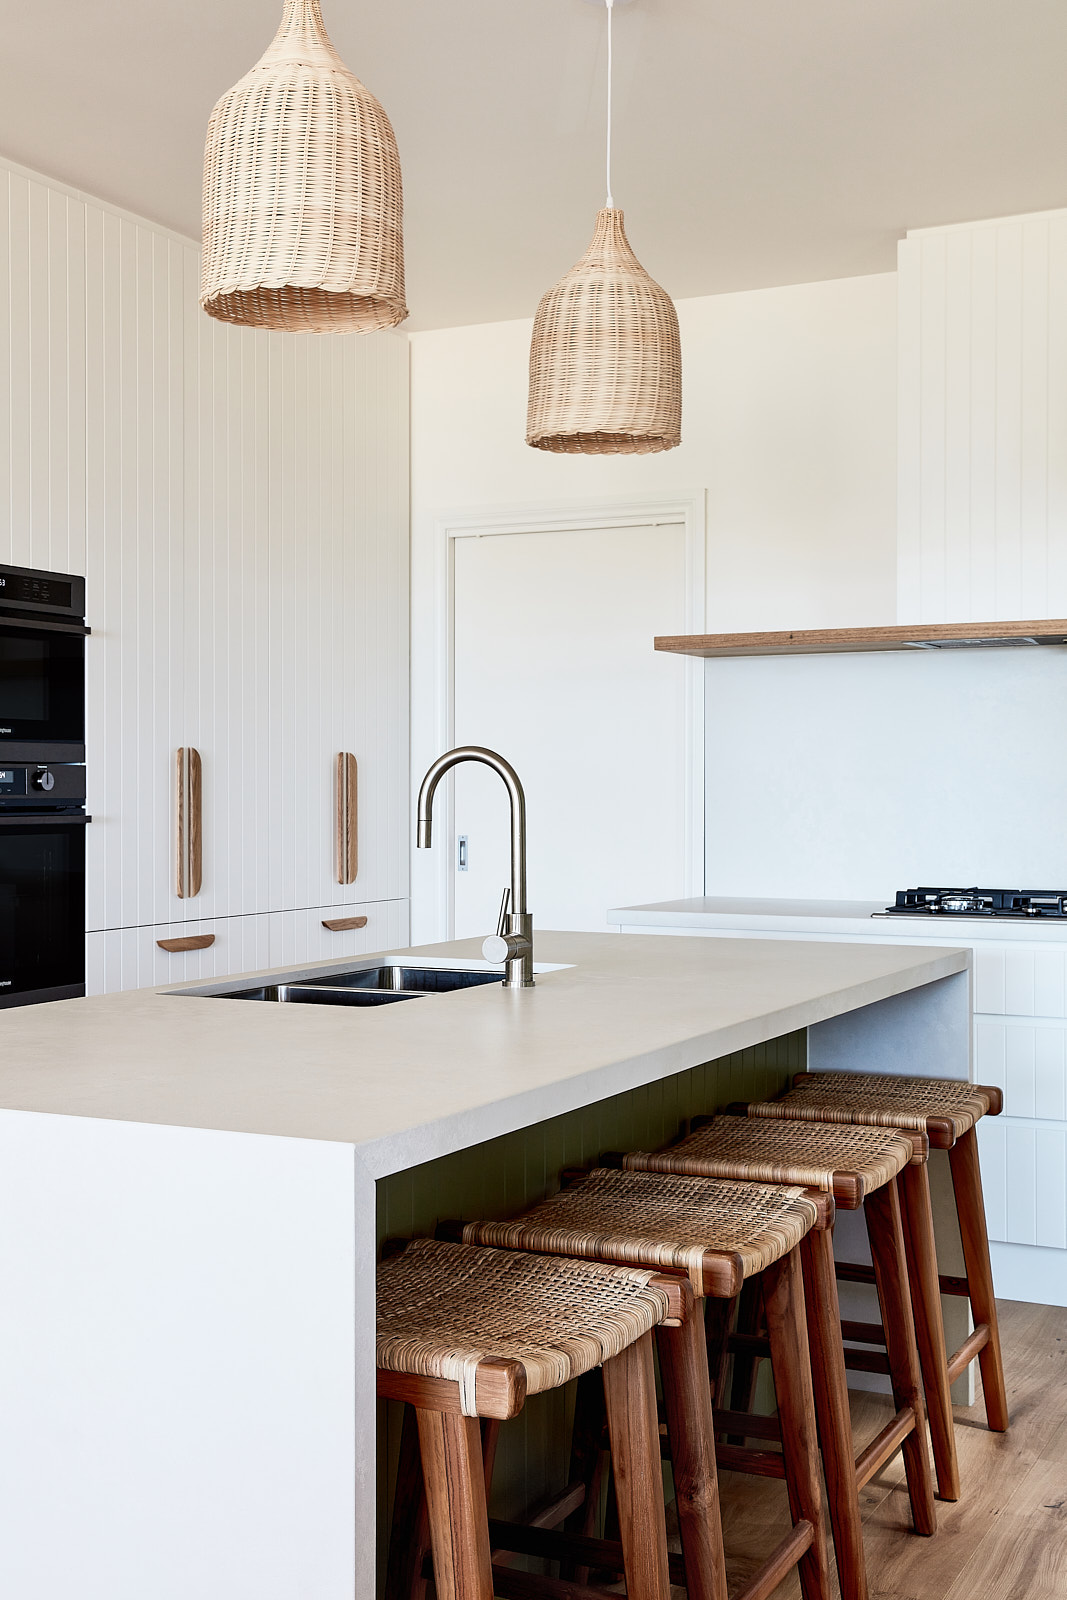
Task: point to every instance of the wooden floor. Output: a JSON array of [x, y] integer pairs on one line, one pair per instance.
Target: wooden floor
[[1005, 1539]]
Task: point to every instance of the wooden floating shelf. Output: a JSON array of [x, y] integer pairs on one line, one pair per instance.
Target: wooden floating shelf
[[833, 641]]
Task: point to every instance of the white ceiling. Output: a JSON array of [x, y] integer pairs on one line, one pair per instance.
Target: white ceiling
[[757, 142]]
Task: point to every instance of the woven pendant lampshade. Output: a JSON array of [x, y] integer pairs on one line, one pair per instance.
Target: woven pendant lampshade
[[605, 358], [303, 206]]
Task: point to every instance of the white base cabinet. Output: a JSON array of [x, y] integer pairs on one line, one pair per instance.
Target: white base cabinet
[[132, 958], [299, 937], [1020, 1045]]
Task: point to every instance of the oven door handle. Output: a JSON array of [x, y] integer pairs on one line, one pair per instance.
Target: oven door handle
[[42, 819], [44, 627]]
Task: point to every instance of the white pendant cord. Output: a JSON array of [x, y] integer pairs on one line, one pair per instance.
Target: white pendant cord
[[609, 203]]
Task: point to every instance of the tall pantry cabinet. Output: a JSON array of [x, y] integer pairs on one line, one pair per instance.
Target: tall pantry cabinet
[[237, 502]]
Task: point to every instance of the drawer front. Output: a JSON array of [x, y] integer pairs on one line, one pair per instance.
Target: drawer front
[[1028, 1060], [1024, 1176], [300, 936], [1024, 1152], [131, 958], [1021, 980]]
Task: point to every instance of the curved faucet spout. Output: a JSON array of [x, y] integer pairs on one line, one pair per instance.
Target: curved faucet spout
[[514, 941], [488, 758]]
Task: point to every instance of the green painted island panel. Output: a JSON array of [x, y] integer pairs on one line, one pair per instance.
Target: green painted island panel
[[503, 1176]]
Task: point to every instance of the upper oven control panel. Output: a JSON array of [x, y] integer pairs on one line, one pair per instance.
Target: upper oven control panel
[[51, 594]]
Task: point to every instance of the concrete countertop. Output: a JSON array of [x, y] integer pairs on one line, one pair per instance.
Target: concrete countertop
[[409, 1082], [842, 918]]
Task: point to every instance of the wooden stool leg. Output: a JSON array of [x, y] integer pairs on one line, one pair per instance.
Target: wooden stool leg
[[929, 1326], [633, 1425], [783, 1299], [683, 1364], [409, 1537], [831, 1405], [455, 1500], [588, 1464], [970, 1208], [746, 1368], [718, 1315], [490, 1440], [886, 1233]]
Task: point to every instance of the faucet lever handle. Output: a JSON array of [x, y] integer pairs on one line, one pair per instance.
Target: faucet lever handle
[[502, 919]]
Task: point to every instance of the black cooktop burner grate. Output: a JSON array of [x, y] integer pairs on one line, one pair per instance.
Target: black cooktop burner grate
[[1028, 903]]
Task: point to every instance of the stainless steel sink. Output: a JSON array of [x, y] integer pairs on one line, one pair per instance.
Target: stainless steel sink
[[369, 986], [311, 994], [410, 980]]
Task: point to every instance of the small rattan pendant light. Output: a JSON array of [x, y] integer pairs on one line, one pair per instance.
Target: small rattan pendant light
[[605, 358], [303, 207]]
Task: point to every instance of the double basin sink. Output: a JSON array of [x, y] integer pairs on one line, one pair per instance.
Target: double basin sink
[[368, 986]]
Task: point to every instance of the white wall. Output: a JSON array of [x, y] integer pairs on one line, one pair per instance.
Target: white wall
[[853, 776], [789, 427], [789, 423]]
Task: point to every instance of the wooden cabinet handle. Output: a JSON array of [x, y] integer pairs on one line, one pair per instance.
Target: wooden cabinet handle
[[198, 941], [190, 854], [347, 819], [344, 924]]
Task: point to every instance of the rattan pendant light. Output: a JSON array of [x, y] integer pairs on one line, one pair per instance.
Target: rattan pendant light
[[605, 358], [303, 206]]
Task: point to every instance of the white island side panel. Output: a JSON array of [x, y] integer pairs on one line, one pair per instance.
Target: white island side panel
[[178, 1378]]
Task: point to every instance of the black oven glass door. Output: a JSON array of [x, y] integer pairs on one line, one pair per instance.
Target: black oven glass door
[[42, 683], [42, 909]]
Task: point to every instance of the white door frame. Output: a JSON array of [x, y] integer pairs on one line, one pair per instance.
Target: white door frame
[[689, 509]]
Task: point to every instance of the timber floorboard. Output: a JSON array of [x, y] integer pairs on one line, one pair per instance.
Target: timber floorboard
[[1004, 1539]]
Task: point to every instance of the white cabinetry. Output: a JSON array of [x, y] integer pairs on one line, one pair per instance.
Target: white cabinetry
[[134, 309], [231, 408], [1020, 1044], [338, 620], [237, 503], [130, 958], [983, 421], [299, 937]]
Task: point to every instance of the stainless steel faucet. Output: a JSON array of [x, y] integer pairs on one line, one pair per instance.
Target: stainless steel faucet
[[513, 941]]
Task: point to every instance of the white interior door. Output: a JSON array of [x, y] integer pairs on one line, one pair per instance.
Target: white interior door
[[555, 670]]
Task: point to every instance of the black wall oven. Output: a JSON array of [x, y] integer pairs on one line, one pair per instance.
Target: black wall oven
[[42, 786], [42, 666], [42, 907]]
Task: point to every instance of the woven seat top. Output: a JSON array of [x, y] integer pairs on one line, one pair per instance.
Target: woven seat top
[[880, 1100], [661, 1220], [443, 1308], [818, 1154]]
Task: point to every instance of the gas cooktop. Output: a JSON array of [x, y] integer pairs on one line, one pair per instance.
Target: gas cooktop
[[978, 903]]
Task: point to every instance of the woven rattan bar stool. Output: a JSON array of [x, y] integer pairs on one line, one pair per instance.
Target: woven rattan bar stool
[[947, 1111], [719, 1234], [858, 1166], [467, 1333]]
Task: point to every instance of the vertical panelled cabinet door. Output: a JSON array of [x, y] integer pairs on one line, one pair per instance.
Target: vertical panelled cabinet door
[[232, 461], [338, 626]]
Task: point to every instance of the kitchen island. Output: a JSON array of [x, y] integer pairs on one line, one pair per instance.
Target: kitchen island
[[1020, 1044], [191, 1188]]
